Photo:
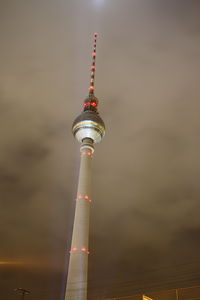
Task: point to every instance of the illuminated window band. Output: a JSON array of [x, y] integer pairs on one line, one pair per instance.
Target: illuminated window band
[[89, 124], [83, 249]]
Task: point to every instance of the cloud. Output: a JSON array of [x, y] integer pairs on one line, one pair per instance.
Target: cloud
[[144, 215]]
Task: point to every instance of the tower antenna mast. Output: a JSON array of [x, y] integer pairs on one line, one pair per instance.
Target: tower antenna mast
[[22, 292], [93, 67]]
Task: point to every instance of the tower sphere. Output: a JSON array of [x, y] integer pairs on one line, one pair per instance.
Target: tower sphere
[[88, 125]]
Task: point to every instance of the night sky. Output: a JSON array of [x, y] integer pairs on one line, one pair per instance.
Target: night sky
[[145, 225]]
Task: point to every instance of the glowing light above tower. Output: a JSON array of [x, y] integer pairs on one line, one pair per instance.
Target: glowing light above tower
[[99, 2]]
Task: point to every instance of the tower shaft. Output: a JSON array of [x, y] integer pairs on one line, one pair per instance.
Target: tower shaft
[[78, 263]]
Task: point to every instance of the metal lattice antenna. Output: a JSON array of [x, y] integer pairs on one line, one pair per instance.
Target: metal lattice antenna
[[22, 292], [92, 76]]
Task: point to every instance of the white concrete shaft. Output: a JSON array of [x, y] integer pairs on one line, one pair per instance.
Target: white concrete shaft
[[78, 263]]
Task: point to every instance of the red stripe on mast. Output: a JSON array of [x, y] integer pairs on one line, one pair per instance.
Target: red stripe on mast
[[92, 75]]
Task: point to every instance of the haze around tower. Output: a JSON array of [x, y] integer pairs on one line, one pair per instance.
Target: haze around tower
[[145, 217]]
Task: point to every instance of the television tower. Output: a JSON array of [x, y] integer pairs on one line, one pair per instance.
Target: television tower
[[89, 129]]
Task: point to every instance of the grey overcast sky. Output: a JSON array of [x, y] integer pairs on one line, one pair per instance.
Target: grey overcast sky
[[145, 225]]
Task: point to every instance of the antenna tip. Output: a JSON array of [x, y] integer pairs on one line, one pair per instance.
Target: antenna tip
[[95, 34]]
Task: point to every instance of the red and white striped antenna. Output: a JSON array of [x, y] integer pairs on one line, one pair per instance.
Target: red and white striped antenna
[[92, 76]]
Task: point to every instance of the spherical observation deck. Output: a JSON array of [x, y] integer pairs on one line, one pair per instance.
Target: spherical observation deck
[[88, 125]]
